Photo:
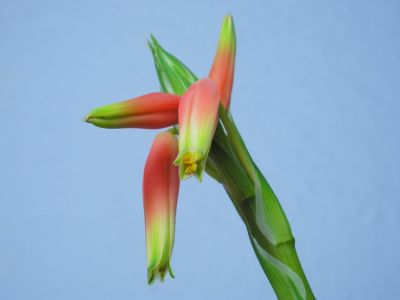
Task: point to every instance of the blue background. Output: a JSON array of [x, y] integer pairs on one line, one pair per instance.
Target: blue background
[[316, 97]]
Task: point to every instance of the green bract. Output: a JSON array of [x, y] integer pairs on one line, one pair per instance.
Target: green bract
[[173, 75]]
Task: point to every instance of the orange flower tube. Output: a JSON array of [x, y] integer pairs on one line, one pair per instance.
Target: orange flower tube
[[223, 66], [151, 111], [160, 196], [198, 117]]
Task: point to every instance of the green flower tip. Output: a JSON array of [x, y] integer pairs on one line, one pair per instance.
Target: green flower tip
[[228, 35], [154, 273], [98, 113], [107, 116]]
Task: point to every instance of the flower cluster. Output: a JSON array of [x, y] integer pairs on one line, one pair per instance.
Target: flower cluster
[[171, 159]]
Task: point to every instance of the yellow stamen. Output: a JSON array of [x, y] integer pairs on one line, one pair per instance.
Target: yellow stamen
[[190, 169], [191, 161]]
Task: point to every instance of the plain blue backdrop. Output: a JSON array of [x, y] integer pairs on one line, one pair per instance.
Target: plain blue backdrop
[[316, 97]]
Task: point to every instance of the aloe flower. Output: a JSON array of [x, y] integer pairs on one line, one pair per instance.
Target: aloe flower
[[208, 140], [198, 116], [160, 196], [155, 110], [224, 62]]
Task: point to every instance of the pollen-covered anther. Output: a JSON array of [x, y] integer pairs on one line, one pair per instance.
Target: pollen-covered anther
[[190, 169], [191, 161]]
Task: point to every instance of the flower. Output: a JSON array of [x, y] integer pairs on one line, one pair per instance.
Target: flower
[[194, 105], [160, 196], [223, 66], [155, 110], [198, 117]]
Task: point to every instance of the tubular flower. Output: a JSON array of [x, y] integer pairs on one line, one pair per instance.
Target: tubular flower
[[155, 110], [198, 116], [160, 196], [223, 66]]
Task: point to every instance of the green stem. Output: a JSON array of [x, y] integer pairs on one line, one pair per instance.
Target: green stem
[[237, 142], [269, 231]]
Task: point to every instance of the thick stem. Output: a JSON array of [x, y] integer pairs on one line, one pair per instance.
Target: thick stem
[[237, 143], [259, 208]]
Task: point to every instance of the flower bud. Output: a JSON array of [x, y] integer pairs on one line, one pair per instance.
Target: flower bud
[[160, 196], [198, 117], [155, 110], [223, 66]]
